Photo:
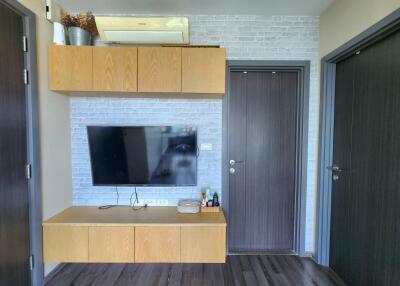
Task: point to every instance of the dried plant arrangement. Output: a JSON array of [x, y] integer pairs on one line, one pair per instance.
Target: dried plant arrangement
[[83, 21]]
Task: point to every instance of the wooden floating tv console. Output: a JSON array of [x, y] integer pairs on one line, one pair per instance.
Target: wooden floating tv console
[[123, 235]]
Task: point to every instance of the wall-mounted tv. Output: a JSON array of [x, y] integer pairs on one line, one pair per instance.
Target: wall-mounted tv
[[143, 155]]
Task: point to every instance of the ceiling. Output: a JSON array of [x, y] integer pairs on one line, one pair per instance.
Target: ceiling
[[187, 7]]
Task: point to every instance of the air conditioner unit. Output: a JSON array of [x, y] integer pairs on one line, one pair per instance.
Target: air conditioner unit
[[133, 30]]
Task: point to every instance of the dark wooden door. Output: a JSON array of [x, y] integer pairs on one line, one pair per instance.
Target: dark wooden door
[[14, 208], [365, 228], [262, 142]]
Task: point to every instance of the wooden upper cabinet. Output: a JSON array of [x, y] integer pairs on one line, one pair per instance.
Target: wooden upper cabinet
[[70, 68], [143, 69], [203, 70], [159, 69], [115, 69]]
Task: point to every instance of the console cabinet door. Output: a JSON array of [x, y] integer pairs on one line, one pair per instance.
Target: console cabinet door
[[111, 244], [115, 69], [203, 244], [64, 243], [70, 68], [155, 244], [159, 69], [203, 70]]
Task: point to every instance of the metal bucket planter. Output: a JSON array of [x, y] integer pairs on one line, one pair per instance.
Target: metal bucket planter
[[79, 37]]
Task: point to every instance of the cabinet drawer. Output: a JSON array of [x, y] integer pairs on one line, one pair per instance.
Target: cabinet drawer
[[157, 244], [203, 244], [115, 69], [70, 68], [110, 244], [65, 243], [159, 69]]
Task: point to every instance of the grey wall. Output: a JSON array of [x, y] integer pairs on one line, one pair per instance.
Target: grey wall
[[245, 37]]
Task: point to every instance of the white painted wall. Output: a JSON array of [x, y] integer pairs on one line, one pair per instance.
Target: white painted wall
[[345, 19]]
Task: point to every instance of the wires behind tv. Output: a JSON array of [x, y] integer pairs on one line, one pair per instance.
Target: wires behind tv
[[136, 201], [116, 190], [132, 202], [105, 207]]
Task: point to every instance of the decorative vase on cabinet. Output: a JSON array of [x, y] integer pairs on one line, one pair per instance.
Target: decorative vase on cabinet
[[79, 36]]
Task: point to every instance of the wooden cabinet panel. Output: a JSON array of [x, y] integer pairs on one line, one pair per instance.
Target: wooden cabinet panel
[[157, 244], [203, 70], [205, 244], [109, 244], [70, 68], [65, 243], [159, 69], [115, 69]]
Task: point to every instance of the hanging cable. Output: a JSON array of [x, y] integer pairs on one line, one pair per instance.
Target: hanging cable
[[111, 206], [136, 201]]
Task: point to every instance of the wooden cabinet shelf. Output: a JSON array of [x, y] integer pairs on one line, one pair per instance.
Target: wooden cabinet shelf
[[121, 235], [159, 69], [203, 70], [173, 70], [115, 69], [111, 244], [158, 244], [70, 68], [66, 243]]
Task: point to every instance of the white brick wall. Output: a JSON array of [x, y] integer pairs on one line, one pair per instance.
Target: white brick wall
[[206, 115], [245, 37]]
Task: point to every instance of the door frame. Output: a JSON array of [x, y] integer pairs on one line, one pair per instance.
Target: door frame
[[302, 68], [370, 36], [33, 143]]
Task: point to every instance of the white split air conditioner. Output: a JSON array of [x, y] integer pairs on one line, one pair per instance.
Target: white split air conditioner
[[133, 30]]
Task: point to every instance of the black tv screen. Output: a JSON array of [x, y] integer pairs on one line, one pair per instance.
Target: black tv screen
[[143, 155]]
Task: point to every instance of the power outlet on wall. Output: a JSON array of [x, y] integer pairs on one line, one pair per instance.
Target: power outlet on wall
[[206, 147], [154, 203], [162, 202]]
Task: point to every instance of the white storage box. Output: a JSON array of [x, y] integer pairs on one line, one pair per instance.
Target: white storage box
[[188, 206]]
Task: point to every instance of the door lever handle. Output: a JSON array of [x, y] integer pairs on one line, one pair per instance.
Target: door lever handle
[[233, 162], [335, 168]]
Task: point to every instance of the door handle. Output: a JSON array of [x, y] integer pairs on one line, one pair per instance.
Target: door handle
[[233, 162], [335, 168]]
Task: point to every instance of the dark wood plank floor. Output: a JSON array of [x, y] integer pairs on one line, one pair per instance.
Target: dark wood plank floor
[[239, 270]]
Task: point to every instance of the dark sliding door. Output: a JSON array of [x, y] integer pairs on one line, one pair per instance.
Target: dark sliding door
[[14, 215], [262, 153], [365, 222]]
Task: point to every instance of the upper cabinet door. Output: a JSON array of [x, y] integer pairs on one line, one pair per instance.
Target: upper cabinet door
[[159, 69], [203, 70], [70, 68], [115, 69]]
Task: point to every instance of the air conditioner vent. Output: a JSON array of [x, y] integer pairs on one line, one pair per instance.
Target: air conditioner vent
[[133, 30]]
